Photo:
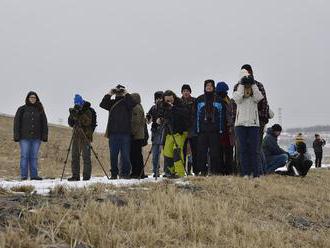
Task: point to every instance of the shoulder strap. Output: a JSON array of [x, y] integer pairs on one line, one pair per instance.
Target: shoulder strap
[[114, 105]]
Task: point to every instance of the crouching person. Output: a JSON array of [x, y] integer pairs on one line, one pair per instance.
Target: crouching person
[[276, 157], [83, 121], [300, 163], [174, 118]]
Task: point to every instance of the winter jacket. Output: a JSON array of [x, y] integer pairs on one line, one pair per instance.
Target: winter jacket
[[190, 105], [247, 107], [156, 129], [120, 116], [176, 118], [263, 107], [83, 120], [138, 119], [228, 139], [212, 120], [318, 145], [30, 123], [292, 150], [270, 146]]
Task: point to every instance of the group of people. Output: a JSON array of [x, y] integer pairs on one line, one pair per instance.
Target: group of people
[[193, 135]]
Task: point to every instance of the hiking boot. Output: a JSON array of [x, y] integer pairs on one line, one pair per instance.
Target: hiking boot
[[124, 177], [73, 179], [36, 178], [86, 178], [113, 177], [24, 178]]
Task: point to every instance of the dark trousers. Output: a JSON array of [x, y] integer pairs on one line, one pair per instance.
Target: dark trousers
[[318, 159], [136, 158], [120, 143], [226, 159], [193, 142], [208, 142], [79, 146], [248, 138]]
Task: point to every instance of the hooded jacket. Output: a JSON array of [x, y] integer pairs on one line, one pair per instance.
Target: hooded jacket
[[138, 119], [30, 121], [270, 146]]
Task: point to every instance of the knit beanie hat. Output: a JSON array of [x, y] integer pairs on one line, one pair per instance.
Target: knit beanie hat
[[78, 100], [222, 87], [186, 87], [300, 138]]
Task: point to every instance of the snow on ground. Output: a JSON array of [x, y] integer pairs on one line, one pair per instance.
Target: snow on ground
[[43, 187]]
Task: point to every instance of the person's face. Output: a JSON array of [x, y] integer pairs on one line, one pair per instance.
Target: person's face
[[209, 87], [186, 93], [277, 133], [318, 137], [169, 99], [33, 99]]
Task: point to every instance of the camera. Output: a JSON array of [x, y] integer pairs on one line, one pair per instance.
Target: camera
[[119, 89], [247, 80], [75, 111]]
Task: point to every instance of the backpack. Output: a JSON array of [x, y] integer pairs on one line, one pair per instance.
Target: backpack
[[94, 117]]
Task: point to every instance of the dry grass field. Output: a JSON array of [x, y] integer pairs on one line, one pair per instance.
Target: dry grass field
[[272, 211]]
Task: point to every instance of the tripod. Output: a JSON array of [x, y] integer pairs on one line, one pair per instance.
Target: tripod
[[77, 130]]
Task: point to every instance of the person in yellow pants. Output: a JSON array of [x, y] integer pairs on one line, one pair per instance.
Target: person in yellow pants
[[177, 166], [174, 117]]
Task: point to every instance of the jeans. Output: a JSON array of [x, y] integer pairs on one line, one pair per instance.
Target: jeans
[[275, 162], [29, 157], [248, 138], [120, 143], [156, 150]]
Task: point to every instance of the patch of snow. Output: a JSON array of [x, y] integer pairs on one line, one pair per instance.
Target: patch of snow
[[43, 187]]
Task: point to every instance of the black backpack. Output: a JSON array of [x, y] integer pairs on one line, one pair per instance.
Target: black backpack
[[94, 117]]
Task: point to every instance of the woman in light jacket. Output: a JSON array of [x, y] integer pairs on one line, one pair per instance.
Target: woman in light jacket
[[247, 124]]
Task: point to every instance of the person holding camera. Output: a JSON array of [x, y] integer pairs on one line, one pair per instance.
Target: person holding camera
[[209, 125], [119, 129], [81, 120], [247, 124], [276, 157], [156, 132], [174, 117], [318, 144], [30, 128]]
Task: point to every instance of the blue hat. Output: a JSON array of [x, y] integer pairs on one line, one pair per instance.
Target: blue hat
[[222, 87], [78, 100]]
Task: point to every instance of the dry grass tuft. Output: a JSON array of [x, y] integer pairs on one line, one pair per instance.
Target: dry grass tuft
[[28, 189]]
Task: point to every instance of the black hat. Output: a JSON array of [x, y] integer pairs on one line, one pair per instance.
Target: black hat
[[185, 87], [209, 81], [248, 68], [276, 128], [158, 95]]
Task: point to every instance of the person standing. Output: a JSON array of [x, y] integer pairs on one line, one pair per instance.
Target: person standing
[[209, 124], [119, 129], [227, 139], [156, 132], [191, 140], [81, 120], [137, 139], [247, 125], [30, 128], [318, 145]]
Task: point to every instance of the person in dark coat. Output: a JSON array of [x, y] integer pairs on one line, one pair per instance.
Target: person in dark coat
[[227, 139], [156, 132], [318, 150], [209, 125], [276, 157], [174, 119], [30, 128], [119, 129], [80, 119], [192, 139]]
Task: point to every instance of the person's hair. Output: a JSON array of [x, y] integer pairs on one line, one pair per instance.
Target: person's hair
[[276, 128], [317, 135], [169, 93], [38, 104]]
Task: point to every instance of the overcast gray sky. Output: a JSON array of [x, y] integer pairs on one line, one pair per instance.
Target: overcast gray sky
[[62, 47]]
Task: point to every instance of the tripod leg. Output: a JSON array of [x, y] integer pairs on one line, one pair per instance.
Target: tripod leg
[[67, 155], [145, 163]]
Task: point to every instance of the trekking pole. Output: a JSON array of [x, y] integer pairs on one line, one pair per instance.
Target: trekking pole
[[68, 152], [145, 163], [95, 154]]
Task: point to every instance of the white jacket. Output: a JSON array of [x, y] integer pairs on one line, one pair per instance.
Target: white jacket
[[247, 107]]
